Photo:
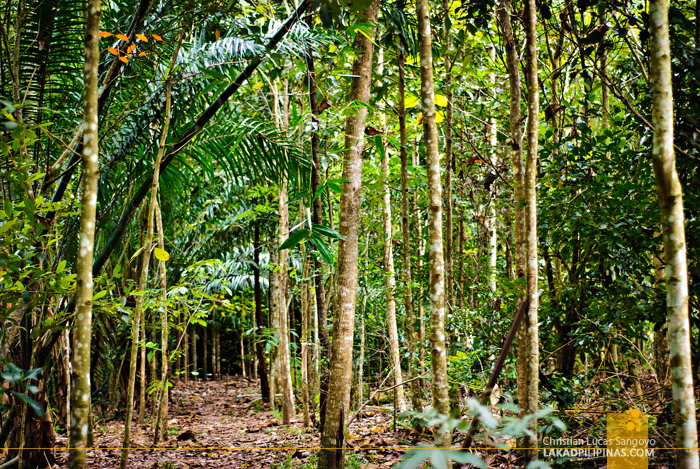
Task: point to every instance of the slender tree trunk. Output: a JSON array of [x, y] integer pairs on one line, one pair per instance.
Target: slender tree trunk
[[406, 240], [670, 194], [492, 220], [305, 339], [449, 231], [193, 343], [518, 182], [333, 437], [419, 271], [284, 354], [361, 360], [662, 359], [143, 381], [205, 344], [532, 347], [185, 356], [80, 407], [262, 366], [321, 310], [162, 416], [390, 275], [274, 312], [437, 267]]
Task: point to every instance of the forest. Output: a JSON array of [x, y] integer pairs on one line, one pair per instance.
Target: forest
[[349, 233]]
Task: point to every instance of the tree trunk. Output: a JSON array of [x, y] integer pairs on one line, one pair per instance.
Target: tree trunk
[[285, 371], [305, 339], [80, 406], [142, 375], [162, 416], [449, 235], [530, 348], [273, 308], [662, 358], [512, 62], [491, 220], [406, 240], [321, 310], [670, 195], [193, 343], [333, 437], [390, 275], [185, 356], [205, 344], [437, 267], [262, 366], [139, 312]]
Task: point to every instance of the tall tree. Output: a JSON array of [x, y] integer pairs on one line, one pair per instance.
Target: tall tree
[[670, 194], [406, 236], [259, 346], [80, 406], [449, 163], [530, 347], [390, 274], [317, 209], [332, 453], [436, 285]]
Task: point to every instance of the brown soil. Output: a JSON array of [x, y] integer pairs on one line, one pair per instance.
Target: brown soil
[[223, 424]]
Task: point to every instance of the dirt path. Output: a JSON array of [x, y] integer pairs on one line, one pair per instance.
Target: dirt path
[[222, 424]]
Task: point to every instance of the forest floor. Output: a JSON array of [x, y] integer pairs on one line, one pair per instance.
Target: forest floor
[[219, 424], [223, 424]]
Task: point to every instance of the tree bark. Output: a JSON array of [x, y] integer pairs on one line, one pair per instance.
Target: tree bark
[[491, 220], [406, 240], [437, 264], [284, 354], [670, 195], [389, 272], [262, 366], [162, 416], [80, 406], [333, 437], [321, 310], [530, 348], [449, 231]]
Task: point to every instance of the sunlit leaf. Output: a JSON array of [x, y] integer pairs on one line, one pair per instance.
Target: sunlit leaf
[[124, 59], [440, 100], [161, 254], [411, 101], [141, 54], [113, 51], [105, 34], [130, 49], [217, 34], [142, 37], [122, 37], [439, 116], [157, 37]]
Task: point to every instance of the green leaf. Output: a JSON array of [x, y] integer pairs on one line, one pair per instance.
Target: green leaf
[[8, 208], [324, 230], [322, 248], [379, 143], [35, 177], [61, 267], [99, 295], [295, 238], [31, 403]]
